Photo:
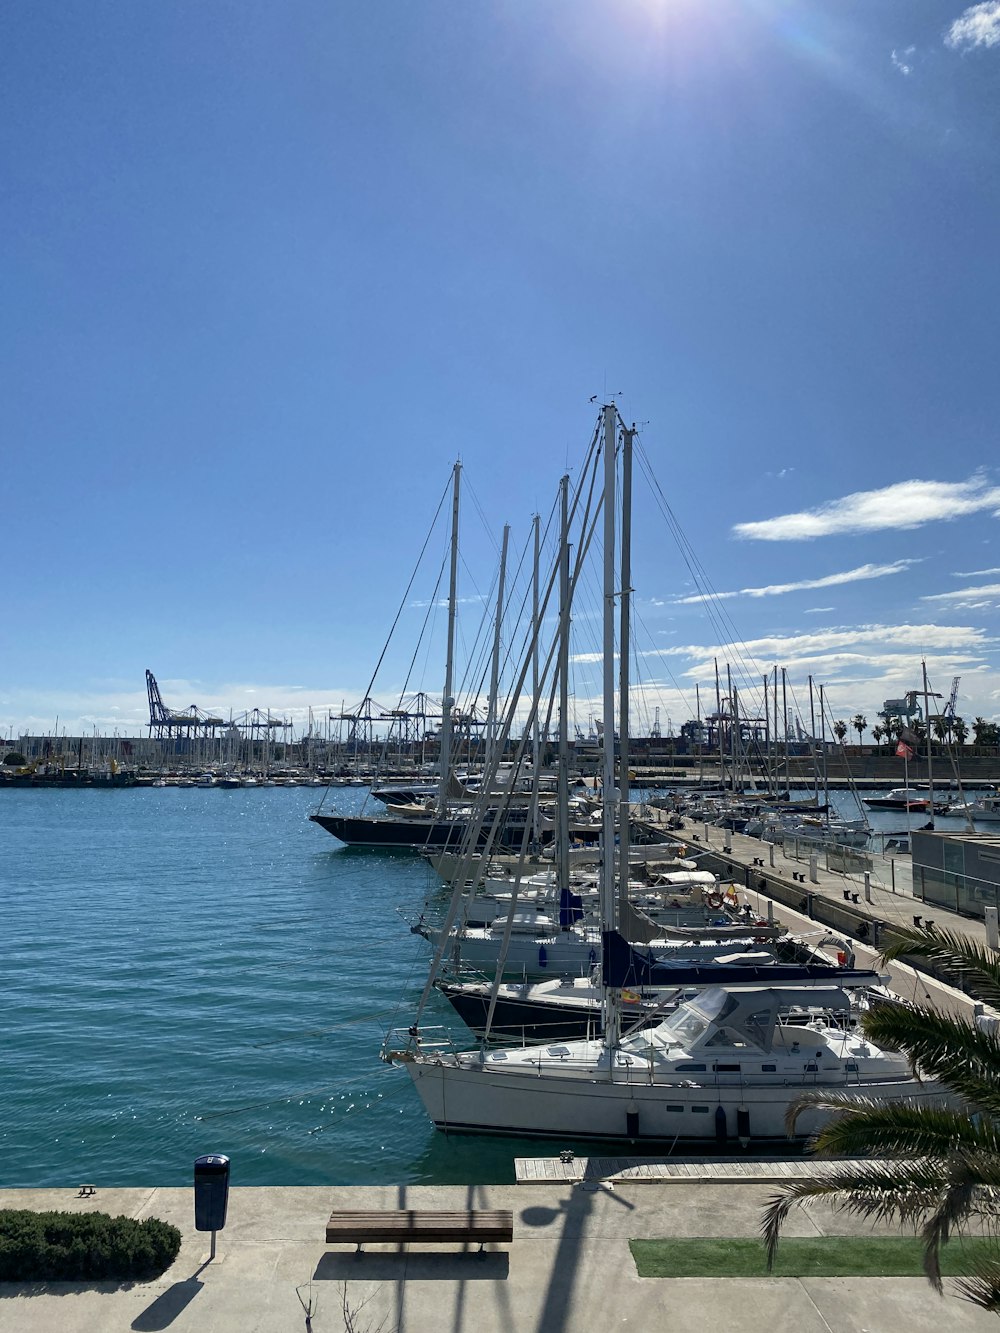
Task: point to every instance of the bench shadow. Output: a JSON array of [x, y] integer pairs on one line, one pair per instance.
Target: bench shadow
[[413, 1266]]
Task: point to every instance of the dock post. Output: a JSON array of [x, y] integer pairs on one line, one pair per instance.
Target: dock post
[[706, 833], [770, 848], [992, 932], [868, 886], [770, 912], [814, 868]]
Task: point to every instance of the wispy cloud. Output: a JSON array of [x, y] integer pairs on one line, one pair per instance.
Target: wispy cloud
[[781, 647], [969, 599], [906, 504], [976, 573], [900, 60], [817, 610], [828, 581], [977, 26]]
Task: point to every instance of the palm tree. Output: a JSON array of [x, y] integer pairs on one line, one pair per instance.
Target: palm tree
[[937, 1166], [859, 724], [960, 727], [877, 733], [840, 730]]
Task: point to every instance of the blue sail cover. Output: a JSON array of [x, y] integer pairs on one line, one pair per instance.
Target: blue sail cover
[[570, 908], [624, 965]]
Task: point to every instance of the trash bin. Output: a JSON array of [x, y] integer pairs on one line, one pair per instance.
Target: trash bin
[[211, 1192]]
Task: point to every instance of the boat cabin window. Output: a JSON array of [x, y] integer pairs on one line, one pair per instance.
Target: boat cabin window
[[726, 1069], [689, 1069], [769, 1069]]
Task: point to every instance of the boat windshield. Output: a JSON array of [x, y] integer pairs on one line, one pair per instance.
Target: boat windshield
[[693, 1018]]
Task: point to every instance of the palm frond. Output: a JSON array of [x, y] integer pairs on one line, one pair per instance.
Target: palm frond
[[905, 1191], [982, 1288], [950, 1049], [897, 1129], [975, 966], [954, 1206]]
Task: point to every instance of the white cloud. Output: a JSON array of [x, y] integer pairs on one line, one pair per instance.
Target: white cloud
[[978, 26], [828, 581], [986, 595], [779, 647], [906, 504], [816, 610], [899, 60], [976, 573]]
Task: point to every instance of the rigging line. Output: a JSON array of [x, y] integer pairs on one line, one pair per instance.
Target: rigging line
[[722, 622], [402, 605]]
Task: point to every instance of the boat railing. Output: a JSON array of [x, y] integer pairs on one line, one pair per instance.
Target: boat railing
[[402, 1042]]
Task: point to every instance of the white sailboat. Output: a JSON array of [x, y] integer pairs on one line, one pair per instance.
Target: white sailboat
[[723, 1066]]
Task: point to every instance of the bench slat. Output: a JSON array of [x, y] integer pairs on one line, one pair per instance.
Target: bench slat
[[420, 1224]]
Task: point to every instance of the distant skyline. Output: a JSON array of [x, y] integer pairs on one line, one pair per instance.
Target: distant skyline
[[269, 271]]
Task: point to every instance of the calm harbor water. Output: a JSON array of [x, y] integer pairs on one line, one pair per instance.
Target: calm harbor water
[[192, 970]]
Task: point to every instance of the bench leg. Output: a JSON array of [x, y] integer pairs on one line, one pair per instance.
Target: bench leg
[[361, 1248]]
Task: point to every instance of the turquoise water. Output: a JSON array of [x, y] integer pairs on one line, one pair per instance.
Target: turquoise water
[[194, 970]]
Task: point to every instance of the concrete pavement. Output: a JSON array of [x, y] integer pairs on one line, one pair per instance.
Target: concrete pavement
[[569, 1268]]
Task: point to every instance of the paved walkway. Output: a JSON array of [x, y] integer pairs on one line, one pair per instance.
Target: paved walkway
[[569, 1269]]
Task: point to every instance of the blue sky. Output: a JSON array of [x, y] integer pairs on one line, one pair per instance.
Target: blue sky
[[269, 269]]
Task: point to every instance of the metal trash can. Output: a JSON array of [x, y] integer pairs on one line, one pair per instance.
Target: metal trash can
[[211, 1192]]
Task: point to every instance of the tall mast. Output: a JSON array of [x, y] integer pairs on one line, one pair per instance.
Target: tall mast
[[624, 638], [562, 793], [536, 735], [608, 896], [491, 708], [927, 731], [784, 719], [448, 699], [718, 717]]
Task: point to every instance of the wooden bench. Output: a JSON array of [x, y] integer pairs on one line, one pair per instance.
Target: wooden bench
[[409, 1224]]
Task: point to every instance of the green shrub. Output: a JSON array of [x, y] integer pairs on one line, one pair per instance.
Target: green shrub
[[83, 1247]]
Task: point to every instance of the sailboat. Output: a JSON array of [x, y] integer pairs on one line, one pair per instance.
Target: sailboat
[[724, 1066]]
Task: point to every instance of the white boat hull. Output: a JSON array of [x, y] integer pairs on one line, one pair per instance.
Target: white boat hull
[[473, 1098]]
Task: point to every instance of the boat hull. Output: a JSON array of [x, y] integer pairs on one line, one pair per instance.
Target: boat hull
[[474, 1099]]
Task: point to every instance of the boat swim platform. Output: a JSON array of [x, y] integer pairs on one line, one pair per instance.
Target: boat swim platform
[[664, 1171]]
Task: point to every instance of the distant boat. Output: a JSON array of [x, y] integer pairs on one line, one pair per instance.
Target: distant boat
[[900, 798]]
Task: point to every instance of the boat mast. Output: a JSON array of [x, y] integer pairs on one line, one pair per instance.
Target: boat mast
[[784, 728], [536, 734], [491, 707], [624, 639], [562, 792], [448, 701], [927, 731], [612, 997]]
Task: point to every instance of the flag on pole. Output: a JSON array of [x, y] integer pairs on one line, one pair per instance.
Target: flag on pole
[[903, 751]]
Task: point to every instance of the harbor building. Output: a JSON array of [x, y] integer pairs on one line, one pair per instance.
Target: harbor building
[[959, 871]]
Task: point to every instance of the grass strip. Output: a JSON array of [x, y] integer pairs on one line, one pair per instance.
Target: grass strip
[[800, 1256]]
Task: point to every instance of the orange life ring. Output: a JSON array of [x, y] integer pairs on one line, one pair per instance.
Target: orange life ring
[[714, 900]]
